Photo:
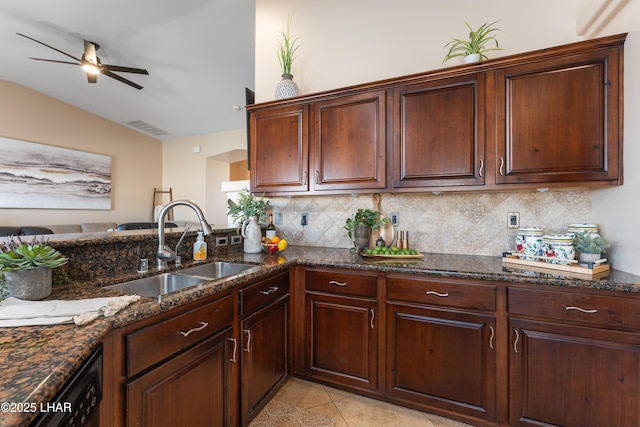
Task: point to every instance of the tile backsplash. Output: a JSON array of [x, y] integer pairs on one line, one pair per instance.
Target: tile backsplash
[[459, 223]]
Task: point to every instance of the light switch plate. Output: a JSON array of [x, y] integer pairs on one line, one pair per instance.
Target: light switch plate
[[513, 220]]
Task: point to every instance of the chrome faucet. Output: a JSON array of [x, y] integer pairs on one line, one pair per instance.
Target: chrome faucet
[[165, 253]]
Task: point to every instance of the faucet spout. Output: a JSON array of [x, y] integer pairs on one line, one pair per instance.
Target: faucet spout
[[165, 253]]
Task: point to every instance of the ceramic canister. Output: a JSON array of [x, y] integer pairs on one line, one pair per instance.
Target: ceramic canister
[[529, 242], [582, 228], [558, 247]]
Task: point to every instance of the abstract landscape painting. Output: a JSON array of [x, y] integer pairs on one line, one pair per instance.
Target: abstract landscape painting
[[42, 176]]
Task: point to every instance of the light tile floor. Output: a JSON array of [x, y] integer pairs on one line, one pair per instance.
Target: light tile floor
[[351, 410]]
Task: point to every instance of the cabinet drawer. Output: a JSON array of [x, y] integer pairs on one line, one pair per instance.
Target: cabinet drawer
[[588, 309], [361, 284], [263, 293], [150, 345], [449, 294]]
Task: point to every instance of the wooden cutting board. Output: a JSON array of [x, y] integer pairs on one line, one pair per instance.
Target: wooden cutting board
[[386, 231]]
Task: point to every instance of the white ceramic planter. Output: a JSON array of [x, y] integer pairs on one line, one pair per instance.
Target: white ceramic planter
[[29, 284]]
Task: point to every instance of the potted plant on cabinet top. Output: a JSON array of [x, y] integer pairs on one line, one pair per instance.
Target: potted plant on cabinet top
[[287, 48], [590, 245], [359, 227], [473, 49], [246, 213], [25, 268]]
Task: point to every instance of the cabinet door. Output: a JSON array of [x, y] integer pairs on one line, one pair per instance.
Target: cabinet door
[[559, 120], [264, 357], [442, 358], [194, 388], [341, 340], [349, 142], [572, 376], [279, 149], [438, 133]]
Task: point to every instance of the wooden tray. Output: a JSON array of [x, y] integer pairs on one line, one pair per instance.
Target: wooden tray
[[388, 256], [593, 270]]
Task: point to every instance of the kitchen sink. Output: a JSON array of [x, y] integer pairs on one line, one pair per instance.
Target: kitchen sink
[[216, 270], [153, 286], [166, 283]]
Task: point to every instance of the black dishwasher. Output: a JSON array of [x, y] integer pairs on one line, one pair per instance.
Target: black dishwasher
[[78, 402]]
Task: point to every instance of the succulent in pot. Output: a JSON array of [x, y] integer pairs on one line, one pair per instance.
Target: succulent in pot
[[591, 246], [359, 227], [25, 268]]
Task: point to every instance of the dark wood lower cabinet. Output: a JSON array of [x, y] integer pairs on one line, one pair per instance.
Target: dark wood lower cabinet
[[573, 376], [264, 357], [193, 389]]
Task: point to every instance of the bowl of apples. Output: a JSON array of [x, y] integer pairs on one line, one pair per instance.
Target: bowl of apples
[[274, 245]]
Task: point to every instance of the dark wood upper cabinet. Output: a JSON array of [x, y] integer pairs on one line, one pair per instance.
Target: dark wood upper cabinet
[[438, 133], [348, 140], [558, 120], [279, 149]]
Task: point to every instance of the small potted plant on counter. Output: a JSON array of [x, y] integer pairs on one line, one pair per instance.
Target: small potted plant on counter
[[473, 49], [246, 212], [359, 227], [26, 268], [590, 245]]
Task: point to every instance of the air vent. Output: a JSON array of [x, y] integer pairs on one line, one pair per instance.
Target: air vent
[[147, 128]]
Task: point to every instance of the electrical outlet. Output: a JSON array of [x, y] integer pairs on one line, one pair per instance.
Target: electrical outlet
[[513, 220], [304, 219], [395, 219], [277, 218], [221, 241]]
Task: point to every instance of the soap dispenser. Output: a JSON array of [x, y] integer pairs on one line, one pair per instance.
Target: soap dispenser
[[200, 248]]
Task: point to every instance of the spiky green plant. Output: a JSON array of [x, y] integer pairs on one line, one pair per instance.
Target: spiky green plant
[[475, 44], [17, 255], [287, 49]]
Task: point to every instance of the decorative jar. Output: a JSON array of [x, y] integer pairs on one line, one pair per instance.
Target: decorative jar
[[558, 248], [529, 242]]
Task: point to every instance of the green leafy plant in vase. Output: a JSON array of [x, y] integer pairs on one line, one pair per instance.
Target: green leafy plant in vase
[[26, 268], [590, 245], [359, 226], [246, 213], [473, 49]]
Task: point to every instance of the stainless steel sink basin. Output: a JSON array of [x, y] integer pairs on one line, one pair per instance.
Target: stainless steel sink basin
[[216, 270], [166, 283], [153, 286]]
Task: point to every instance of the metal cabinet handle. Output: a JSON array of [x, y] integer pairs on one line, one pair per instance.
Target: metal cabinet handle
[[333, 282], [317, 177], [493, 334], [203, 325], [446, 294], [481, 167], [304, 177], [248, 347], [235, 349], [515, 343], [582, 310], [271, 290], [502, 166], [373, 316]]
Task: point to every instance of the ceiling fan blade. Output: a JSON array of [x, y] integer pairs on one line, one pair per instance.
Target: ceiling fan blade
[[50, 47], [90, 52], [122, 79], [118, 68], [54, 60]]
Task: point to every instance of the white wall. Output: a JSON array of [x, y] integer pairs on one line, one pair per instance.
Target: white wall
[[357, 41], [186, 173]]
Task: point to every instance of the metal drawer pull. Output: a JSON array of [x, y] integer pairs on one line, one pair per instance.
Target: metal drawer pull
[[582, 310], [304, 178], [502, 166], [317, 177], [204, 325], [235, 349], [333, 282], [481, 167], [515, 343], [373, 316], [248, 348], [446, 294], [493, 334], [271, 290]]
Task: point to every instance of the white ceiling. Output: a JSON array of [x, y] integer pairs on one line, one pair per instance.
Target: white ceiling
[[199, 54]]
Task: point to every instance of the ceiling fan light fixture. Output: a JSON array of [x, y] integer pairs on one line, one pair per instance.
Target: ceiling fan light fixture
[[90, 68]]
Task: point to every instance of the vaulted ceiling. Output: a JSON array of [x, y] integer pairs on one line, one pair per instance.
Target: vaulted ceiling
[[199, 55]]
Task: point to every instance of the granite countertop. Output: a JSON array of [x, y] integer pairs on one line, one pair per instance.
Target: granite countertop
[[36, 361]]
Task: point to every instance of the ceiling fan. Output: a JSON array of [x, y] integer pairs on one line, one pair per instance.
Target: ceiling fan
[[91, 64]]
